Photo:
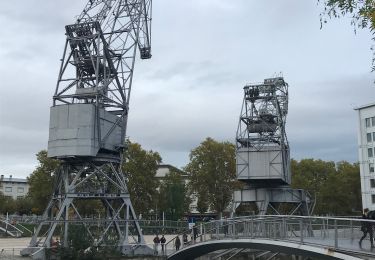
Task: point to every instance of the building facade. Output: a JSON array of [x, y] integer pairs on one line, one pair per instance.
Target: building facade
[[13, 187], [366, 153]]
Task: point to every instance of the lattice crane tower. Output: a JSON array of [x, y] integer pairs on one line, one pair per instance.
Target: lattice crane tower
[[262, 151], [88, 122]]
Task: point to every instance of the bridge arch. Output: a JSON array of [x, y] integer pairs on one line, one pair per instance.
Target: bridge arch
[[203, 248]]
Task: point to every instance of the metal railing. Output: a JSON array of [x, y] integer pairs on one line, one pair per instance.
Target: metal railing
[[9, 229], [144, 223], [338, 234], [12, 254]]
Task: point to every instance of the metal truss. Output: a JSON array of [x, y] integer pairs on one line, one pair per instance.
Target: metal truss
[[97, 69], [87, 182], [263, 115], [262, 151], [99, 55], [279, 201]]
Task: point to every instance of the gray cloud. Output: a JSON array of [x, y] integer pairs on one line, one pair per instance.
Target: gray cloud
[[204, 52]]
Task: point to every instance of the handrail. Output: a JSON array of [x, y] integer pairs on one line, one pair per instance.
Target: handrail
[[329, 232], [12, 226], [25, 228]]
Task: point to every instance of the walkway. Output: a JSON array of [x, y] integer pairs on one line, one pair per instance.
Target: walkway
[[335, 238]]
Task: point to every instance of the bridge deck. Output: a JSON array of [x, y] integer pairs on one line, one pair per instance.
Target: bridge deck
[[332, 235]]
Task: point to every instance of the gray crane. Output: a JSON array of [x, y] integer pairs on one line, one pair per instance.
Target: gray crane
[[262, 152], [88, 121]]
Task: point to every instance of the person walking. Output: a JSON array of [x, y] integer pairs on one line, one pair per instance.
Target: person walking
[[162, 241], [156, 243], [185, 239], [195, 233], [177, 243], [366, 228]]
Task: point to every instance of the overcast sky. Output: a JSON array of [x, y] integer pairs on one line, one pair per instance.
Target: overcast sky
[[204, 52]]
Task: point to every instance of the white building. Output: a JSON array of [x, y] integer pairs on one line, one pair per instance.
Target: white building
[[366, 144], [13, 187]]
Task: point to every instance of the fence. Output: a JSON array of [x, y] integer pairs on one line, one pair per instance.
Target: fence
[[339, 234]]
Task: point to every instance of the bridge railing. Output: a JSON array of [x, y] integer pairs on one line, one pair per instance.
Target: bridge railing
[[340, 234], [9, 229]]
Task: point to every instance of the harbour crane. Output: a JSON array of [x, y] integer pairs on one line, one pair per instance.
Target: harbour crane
[[88, 121]]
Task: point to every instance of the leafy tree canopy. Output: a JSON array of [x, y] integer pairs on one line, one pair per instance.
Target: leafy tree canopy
[[335, 187], [174, 198], [212, 173], [41, 181], [140, 168]]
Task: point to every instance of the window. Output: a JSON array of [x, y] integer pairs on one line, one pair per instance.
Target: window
[[20, 190], [372, 183], [21, 197], [373, 136], [373, 198], [373, 121], [369, 139], [8, 189], [370, 152], [367, 122], [371, 167]]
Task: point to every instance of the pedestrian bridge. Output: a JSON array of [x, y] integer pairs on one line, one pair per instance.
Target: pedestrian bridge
[[317, 237]]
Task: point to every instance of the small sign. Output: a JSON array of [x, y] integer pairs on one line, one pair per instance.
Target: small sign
[[191, 225]]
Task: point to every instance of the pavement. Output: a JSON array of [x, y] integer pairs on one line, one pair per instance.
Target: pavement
[[10, 247]]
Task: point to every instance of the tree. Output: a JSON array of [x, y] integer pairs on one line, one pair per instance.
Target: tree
[[7, 204], [174, 198], [335, 187], [341, 194], [361, 12], [351, 184], [213, 173], [140, 168], [202, 201], [23, 206], [41, 181]]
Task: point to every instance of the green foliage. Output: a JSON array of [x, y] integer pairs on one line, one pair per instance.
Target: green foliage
[[173, 196], [20, 206], [336, 188], [89, 208], [213, 173], [140, 168], [7, 204], [202, 203], [23, 206], [41, 182], [361, 12]]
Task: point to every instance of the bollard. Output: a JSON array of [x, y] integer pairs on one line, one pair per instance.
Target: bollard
[[336, 234], [301, 229]]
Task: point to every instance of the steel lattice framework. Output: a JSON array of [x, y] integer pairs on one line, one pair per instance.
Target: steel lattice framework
[[261, 131], [263, 115], [262, 151], [88, 125]]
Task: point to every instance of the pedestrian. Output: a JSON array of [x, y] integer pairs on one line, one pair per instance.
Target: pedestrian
[[162, 241], [195, 233], [177, 243], [366, 228], [156, 243], [185, 239]]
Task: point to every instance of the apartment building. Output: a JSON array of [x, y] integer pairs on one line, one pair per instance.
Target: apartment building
[[13, 187], [366, 153]]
